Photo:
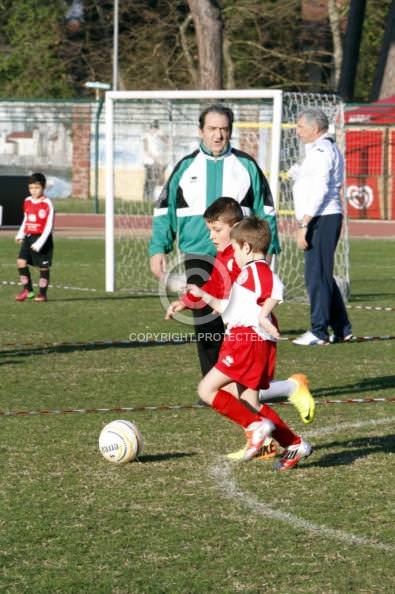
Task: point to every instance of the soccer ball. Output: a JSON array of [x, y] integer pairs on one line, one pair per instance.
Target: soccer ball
[[175, 283], [120, 442]]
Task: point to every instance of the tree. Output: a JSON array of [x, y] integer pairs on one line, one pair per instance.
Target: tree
[[31, 36], [182, 44], [384, 82], [207, 18]]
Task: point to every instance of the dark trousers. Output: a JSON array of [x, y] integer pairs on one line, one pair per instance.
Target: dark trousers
[[326, 303], [209, 327]]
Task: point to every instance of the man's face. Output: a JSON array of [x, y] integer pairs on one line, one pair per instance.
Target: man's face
[[35, 190], [307, 131], [219, 234], [215, 133]]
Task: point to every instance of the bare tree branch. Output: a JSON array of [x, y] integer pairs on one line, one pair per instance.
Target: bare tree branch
[[187, 53], [334, 20]]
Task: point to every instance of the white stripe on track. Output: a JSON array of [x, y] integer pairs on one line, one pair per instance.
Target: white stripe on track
[[222, 473]]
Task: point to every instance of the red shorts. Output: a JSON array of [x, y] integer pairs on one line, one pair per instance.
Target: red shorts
[[247, 358]]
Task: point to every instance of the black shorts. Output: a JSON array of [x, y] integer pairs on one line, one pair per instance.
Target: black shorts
[[43, 258]]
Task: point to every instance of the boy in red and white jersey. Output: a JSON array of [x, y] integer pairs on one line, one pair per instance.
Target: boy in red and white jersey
[[247, 358], [221, 216], [35, 237]]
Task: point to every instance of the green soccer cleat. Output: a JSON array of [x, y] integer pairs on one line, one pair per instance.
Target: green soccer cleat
[[302, 398]]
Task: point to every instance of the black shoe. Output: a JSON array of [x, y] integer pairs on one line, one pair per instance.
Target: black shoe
[[334, 339]]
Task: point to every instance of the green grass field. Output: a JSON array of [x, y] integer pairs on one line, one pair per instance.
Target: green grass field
[[183, 520]]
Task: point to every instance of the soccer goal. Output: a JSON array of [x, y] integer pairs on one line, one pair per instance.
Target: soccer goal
[[148, 132]]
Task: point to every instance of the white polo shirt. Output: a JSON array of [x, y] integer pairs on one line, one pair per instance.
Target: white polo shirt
[[318, 180]]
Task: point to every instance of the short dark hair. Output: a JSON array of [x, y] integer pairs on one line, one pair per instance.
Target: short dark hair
[[37, 178], [217, 108], [224, 208], [254, 231]]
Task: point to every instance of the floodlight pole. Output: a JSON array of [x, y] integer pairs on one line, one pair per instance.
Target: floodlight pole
[[115, 47]]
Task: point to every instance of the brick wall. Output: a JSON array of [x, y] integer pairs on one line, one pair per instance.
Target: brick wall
[[81, 160]]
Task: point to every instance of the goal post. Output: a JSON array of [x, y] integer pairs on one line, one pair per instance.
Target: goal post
[[148, 132], [162, 96]]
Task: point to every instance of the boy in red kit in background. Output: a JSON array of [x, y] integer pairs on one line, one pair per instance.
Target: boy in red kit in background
[[221, 217], [35, 237], [247, 358]]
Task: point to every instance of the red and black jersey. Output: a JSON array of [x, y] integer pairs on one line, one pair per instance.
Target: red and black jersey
[[224, 273], [38, 218]]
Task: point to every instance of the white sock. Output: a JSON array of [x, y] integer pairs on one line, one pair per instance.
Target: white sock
[[278, 389]]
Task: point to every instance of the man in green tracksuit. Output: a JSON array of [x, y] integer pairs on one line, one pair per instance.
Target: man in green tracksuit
[[214, 170]]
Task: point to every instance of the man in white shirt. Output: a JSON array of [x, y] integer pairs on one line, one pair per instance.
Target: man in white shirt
[[319, 213]]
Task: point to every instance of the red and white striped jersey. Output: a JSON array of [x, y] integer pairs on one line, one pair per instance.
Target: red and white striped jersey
[[38, 219], [255, 283]]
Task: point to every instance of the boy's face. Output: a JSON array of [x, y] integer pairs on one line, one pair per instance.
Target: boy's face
[[242, 253], [36, 190], [219, 233]]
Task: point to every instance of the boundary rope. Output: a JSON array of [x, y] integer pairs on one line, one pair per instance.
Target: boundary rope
[[71, 288], [137, 343], [166, 407]]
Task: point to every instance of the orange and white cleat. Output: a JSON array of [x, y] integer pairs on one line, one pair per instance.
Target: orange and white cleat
[[267, 451], [293, 454], [256, 435]]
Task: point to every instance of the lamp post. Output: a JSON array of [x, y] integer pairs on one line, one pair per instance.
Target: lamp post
[[115, 47], [98, 86]]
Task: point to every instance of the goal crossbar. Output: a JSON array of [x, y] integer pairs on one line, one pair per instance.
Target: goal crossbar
[[111, 96]]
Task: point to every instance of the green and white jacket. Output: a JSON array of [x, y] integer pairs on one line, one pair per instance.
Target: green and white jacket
[[195, 183]]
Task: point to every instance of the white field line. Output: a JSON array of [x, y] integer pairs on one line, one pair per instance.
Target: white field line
[[222, 473]]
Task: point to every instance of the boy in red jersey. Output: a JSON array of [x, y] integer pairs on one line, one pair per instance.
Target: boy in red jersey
[[35, 237], [247, 358], [221, 216]]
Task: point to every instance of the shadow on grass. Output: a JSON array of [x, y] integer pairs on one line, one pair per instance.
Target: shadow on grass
[[366, 385], [355, 450], [369, 297], [86, 346], [163, 457], [101, 298], [10, 362]]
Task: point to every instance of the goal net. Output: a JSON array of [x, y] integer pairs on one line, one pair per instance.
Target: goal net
[[148, 132]]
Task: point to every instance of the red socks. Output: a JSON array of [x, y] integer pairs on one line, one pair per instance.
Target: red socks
[[232, 408], [281, 432], [235, 410]]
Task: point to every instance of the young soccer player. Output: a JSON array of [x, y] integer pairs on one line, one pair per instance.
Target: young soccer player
[[247, 358], [35, 237], [221, 216]]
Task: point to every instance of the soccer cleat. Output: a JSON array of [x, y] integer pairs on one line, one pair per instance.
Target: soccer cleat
[[268, 450], [256, 434], [24, 294], [334, 339], [41, 298], [302, 398], [309, 339], [293, 454]]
